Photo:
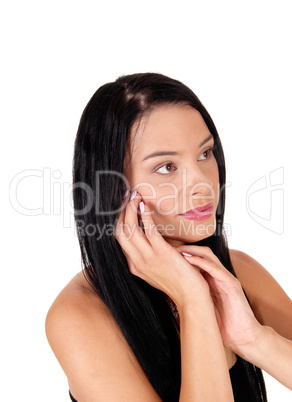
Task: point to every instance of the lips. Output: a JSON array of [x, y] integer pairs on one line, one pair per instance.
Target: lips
[[199, 213]]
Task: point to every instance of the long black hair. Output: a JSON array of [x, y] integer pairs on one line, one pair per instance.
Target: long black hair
[[101, 145]]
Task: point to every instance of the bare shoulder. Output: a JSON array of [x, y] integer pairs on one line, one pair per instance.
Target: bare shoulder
[[270, 303], [91, 348]]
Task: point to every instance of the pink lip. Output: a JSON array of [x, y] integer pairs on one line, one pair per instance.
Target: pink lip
[[199, 213]]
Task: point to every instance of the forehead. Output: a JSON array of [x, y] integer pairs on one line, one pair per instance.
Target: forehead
[[168, 127]]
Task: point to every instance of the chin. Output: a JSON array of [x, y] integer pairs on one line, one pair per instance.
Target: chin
[[197, 230], [192, 234]]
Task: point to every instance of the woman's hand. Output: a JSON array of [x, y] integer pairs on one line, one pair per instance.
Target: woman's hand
[[151, 258], [237, 323]]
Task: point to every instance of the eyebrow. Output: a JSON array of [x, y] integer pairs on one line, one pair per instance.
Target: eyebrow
[[160, 153]]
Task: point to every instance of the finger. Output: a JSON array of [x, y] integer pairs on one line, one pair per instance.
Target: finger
[[213, 269], [131, 252], [151, 231], [201, 251], [130, 236], [131, 224], [126, 223], [124, 236]]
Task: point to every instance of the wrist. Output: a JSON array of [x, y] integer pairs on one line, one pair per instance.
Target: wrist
[[198, 306], [257, 347]]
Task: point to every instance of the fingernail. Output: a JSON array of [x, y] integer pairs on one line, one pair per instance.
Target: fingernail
[[133, 195], [126, 194], [142, 207], [187, 254]]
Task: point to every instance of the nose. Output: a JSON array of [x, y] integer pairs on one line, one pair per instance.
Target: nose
[[201, 188], [197, 186], [196, 180]]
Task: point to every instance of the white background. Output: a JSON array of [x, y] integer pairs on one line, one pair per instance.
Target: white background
[[236, 56]]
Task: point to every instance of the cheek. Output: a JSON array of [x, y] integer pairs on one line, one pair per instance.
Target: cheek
[[166, 199], [159, 197], [166, 205], [162, 204]]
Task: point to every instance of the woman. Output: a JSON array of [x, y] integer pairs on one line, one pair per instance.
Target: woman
[[165, 311]]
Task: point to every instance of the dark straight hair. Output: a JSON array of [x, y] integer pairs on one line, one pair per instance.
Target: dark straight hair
[[100, 151]]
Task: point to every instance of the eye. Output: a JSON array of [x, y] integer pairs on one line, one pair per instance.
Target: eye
[[165, 167], [207, 154]]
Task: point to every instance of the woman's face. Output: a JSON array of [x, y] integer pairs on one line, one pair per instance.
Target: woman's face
[[185, 177]]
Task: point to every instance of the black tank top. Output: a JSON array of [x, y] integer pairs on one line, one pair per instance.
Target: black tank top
[[239, 383]]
